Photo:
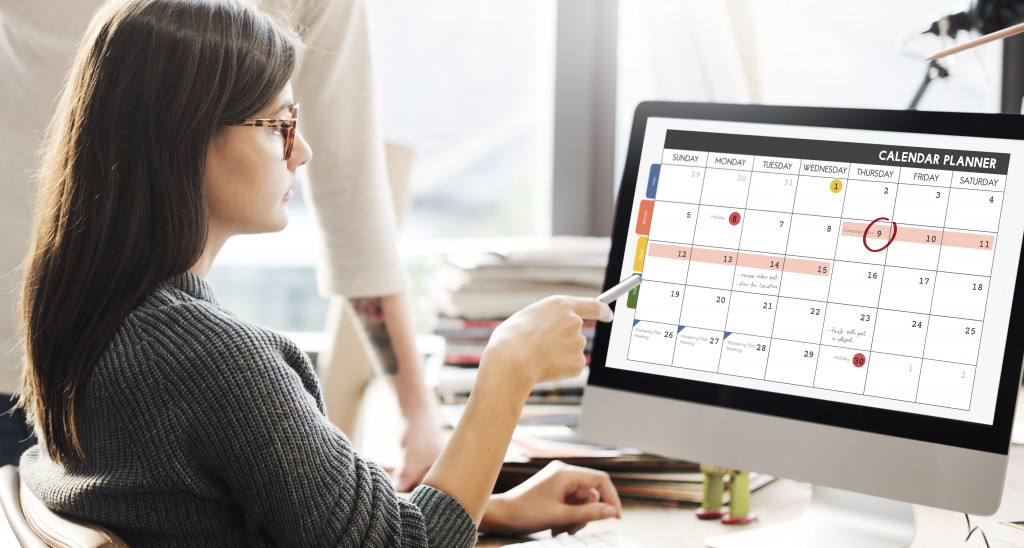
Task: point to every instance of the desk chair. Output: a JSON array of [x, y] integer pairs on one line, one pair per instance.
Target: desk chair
[[36, 526]]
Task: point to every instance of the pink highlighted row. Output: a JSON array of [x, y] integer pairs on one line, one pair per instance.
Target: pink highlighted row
[[739, 258], [928, 236]]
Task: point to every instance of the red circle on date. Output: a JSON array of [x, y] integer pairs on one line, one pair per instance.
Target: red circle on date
[[734, 218], [892, 236], [859, 360]]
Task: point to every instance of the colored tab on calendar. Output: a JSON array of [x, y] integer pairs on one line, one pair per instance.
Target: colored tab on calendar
[[641, 251], [643, 217], [634, 296], [652, 181]]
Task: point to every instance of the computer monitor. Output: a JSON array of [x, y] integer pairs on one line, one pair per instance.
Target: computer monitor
[[827, 296]]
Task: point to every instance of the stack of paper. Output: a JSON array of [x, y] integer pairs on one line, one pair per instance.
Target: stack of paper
[[495, 282], [476, 286]]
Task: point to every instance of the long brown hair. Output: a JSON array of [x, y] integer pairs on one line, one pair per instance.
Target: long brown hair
[[121, 204]]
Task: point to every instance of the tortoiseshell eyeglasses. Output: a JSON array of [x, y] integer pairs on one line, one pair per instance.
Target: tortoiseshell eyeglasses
[[287, 126]]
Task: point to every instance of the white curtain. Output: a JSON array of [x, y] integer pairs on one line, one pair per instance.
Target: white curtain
[[683, 50]]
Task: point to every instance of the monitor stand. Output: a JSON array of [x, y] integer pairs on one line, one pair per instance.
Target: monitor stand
[[836, 519]]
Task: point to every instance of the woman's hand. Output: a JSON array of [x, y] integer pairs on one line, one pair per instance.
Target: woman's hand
[[560, 497], [544, 341]]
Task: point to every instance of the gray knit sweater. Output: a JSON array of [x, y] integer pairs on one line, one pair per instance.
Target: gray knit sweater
[[200, 429]]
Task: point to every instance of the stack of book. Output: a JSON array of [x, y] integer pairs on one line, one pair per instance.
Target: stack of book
[[640, 477], [452, 384], [494, 279], [476, 285], [465, 339]]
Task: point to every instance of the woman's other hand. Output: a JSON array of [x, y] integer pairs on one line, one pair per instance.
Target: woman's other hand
[[560, 497]]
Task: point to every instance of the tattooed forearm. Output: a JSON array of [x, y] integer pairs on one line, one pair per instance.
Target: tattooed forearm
[[371, 313]]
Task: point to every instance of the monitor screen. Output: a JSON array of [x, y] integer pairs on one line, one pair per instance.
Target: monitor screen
[[848, 268]]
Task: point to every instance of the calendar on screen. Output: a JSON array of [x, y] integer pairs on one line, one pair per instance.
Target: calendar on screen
[[858, 271]]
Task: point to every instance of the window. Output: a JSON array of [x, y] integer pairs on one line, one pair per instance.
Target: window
[[469, 86], [865, 54]]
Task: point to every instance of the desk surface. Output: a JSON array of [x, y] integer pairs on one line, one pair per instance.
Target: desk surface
[[655, 526], [660, 526], [782, 500]]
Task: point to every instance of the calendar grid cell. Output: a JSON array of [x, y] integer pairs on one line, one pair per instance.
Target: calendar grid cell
[[782, 274], [841, 391], [683, 290], [881, 284], [950, 228], [924, 350], [955, 228], [866, 395], [831, 278], [881, 309], [728, 305], [704, 174], [988, 280], [804, 342]]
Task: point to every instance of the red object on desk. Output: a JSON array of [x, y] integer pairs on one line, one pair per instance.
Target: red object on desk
[[704, 513], [742, 520]]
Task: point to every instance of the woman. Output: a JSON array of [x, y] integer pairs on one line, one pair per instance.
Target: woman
[[166, 418]]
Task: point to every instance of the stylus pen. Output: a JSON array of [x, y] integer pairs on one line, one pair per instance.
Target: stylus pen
[[1008, 31], [620, 289]]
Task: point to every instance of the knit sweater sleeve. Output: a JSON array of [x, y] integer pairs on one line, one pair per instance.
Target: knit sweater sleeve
[[255, 425]]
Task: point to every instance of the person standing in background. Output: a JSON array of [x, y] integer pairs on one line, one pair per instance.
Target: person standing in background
[[347, 189]]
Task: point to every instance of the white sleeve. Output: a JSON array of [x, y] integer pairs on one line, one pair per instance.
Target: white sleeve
[[347, 183]]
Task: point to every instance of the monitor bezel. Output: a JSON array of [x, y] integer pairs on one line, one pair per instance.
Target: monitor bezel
[[955, 433]]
